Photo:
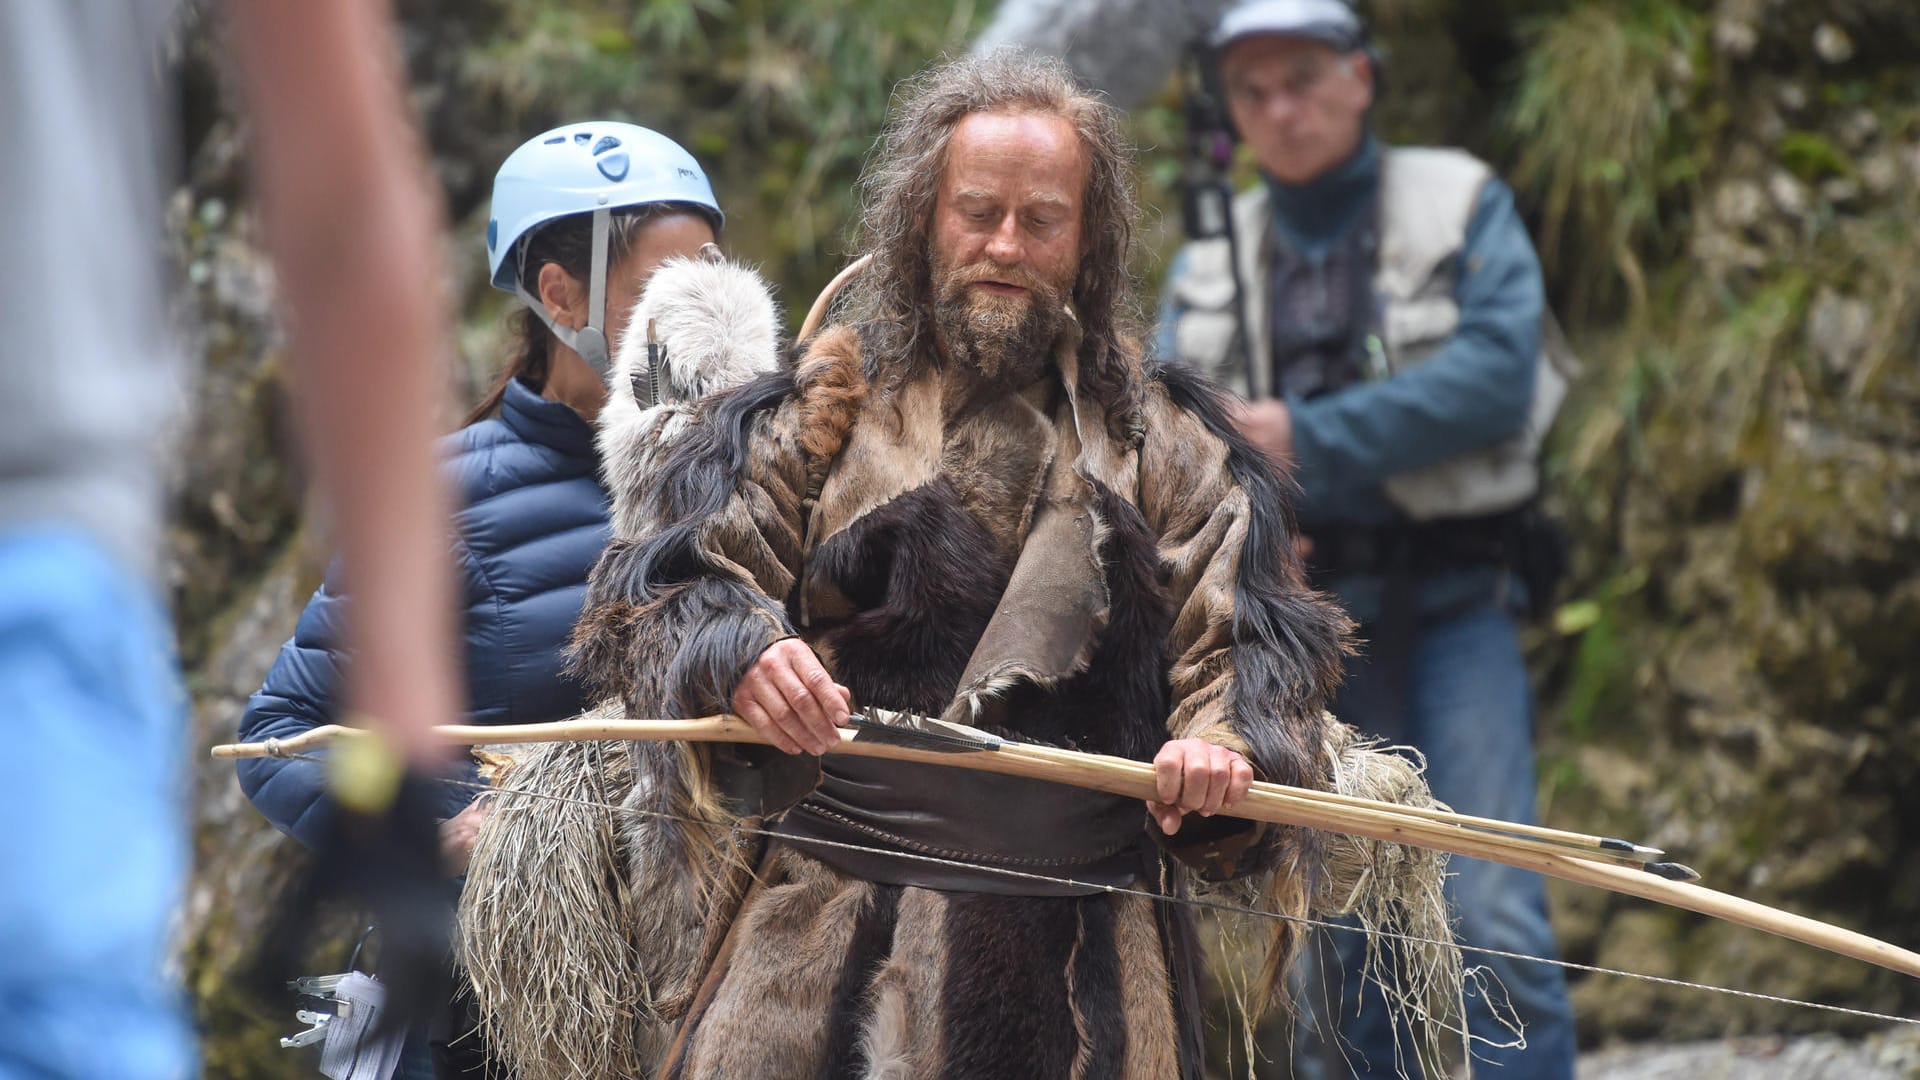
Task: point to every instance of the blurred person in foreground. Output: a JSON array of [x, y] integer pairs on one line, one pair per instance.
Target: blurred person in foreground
[[92, 775], [532, 515], [1388, 347]]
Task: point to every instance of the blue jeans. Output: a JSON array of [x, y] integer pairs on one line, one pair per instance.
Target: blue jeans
[[416, 1057], [1467, 706], [93, 826]]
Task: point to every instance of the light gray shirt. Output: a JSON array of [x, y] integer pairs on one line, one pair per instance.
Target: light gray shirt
[[90, 379]]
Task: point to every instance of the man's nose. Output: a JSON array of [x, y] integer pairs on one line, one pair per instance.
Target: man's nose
[[1281, 107], [1004, 245]]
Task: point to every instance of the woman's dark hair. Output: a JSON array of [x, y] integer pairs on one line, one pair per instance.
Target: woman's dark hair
[[568, 242]]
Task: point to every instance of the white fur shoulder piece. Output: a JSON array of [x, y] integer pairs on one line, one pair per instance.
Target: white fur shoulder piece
[[718, 324], [718, 327]]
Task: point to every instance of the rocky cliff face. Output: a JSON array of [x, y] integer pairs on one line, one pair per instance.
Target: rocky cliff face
[[1732, 680], [1726, 196]]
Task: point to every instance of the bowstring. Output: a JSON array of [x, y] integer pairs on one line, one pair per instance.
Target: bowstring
[[1188, 901]]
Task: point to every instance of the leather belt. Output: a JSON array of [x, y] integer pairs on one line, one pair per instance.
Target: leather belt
[[907, 809]]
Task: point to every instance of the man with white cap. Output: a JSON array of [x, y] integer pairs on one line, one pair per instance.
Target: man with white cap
[[1380, 311]]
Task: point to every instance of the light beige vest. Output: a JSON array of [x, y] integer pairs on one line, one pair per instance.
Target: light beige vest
[[1427, 199]]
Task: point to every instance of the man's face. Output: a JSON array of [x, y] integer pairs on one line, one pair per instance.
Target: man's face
[[1299, 105], [1006, 239]]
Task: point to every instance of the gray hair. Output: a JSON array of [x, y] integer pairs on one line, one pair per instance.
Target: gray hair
[[895, 293]]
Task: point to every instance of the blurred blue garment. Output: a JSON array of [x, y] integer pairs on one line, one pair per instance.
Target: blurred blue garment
[[91, 788], [93, 860]]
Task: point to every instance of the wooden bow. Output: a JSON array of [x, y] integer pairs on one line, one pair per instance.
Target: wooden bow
[[1598, 861]]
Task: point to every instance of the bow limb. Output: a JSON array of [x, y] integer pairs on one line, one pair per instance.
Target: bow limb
[[1734, 909]]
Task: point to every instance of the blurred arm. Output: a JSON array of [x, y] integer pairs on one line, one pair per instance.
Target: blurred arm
[[352, 224]]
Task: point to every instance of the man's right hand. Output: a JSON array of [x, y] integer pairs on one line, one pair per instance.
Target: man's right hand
[[788, 697], [459, 833]]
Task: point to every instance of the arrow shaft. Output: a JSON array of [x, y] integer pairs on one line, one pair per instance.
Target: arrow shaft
[[1583, 842]]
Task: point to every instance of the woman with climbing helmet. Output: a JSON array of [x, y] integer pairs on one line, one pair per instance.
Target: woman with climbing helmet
[[581, 217]]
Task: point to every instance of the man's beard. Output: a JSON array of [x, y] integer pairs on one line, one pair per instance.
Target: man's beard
[[1005, 338]]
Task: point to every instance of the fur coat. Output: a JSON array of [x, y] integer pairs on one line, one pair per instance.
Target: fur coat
[[1096, 562]]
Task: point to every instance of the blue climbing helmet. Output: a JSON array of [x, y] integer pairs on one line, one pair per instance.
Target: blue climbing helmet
[[589, 168]]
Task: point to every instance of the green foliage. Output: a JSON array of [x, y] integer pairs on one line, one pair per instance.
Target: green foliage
[[1725, 381], [1812, 156], [780, 100], [1883, 253], [1604, 138], [1599, 662], [1597, 684], [674, 25], [1851, 92]]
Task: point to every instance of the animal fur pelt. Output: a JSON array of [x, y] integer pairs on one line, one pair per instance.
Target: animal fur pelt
[[1022, 560], [1385, 888], [584, 929], [715, 326], [618, 906]]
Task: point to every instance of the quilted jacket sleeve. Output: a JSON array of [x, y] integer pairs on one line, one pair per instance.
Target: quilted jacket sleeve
[[301, 693], [298, 695]]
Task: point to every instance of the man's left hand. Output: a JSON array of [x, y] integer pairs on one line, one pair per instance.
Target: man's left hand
[[1194, 775]]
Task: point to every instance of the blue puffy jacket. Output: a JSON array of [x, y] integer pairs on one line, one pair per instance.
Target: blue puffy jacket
[[533, 519]]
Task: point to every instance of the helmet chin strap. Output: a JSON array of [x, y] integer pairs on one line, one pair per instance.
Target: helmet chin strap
[[590, 341]]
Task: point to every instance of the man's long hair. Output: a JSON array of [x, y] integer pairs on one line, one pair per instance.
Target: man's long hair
[[894, 296]]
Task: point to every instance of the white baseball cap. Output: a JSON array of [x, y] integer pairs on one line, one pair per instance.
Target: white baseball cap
[[1329, 21]]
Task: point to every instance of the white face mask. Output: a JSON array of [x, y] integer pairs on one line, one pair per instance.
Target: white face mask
[[590, 341]]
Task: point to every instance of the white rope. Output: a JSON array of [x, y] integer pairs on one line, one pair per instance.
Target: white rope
[[1210, 905]]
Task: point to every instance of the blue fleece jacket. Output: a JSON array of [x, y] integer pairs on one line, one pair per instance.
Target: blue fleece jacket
[[533, 519], [1473, 393]]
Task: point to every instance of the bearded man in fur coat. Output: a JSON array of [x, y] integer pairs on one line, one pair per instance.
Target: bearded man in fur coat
[[970, 499]]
